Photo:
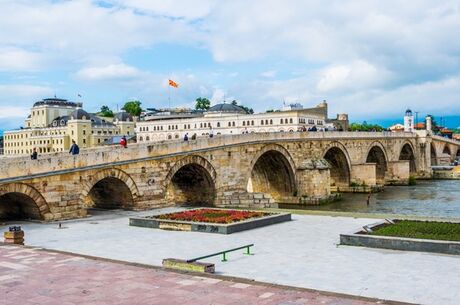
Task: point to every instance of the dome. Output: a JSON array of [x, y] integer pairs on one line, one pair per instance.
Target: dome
[[409, 112], [78, 114], [123, 117], [226, 108]]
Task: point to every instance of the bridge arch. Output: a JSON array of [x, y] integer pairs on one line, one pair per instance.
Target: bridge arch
[[339, 164], [407, 153], [272, 171], [446, 150], [191, 181], [110, 189], [378, 155], [21, 201]]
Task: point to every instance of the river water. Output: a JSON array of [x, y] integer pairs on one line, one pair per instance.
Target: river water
[[434, 198]]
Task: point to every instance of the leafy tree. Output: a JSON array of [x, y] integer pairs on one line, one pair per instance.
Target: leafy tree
[[202, 103], [365, 127], [270, 110], [106, 112], [133, 108], [247, 109]]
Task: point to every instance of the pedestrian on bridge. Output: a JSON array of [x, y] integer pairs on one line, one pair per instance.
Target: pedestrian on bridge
[[74, 149], [124, 142], [34, 154]]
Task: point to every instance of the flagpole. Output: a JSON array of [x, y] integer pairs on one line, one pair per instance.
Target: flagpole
[[169, 95]]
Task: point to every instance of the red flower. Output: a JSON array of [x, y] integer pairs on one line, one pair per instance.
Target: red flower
[[213, 215]]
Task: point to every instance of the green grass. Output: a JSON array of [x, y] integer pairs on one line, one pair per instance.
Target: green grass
[[421, 229]]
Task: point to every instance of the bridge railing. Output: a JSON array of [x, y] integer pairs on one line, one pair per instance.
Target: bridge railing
[[447, 140], [54, 162]]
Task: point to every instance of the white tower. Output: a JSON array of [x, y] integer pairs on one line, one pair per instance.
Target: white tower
[[409, 121], [429, 123]]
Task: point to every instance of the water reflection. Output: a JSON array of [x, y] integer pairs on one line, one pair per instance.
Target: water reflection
[[438, 198]]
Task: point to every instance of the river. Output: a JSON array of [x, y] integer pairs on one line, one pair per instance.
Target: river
[[434, 198]]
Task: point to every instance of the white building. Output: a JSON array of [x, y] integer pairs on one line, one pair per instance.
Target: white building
[[226, 119]]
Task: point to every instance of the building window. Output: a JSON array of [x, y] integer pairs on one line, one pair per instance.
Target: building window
[[261, 122], [266, 122], [147, 138], [271, 122], [141, 139], [252, 123], [229, 124], [290, 120], [218, 124], [281, 121], [244, 123], [84, 132], [84, 141], [233, 124]]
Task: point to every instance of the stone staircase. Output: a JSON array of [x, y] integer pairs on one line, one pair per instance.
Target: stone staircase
[[250, 200]]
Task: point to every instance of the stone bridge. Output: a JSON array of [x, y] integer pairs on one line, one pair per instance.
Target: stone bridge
[[251, 170]]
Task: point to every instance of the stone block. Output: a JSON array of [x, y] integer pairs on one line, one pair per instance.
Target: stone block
[[184, 266]]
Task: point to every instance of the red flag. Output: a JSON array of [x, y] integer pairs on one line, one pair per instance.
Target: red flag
[[173, 84]]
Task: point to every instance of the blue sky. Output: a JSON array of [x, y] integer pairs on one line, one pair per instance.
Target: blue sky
[[371, 59]]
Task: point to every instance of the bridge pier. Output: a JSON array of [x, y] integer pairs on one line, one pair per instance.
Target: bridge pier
[[364, 174], [313, 181], [398, 172]]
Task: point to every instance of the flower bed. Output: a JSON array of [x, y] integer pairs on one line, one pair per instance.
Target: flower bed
[[421, 229], [207, 220], [212, 215]]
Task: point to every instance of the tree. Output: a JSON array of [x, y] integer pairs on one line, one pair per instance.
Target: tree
[[106, 112], [202, 103], [133, 108], [247, 109], [365, 127]]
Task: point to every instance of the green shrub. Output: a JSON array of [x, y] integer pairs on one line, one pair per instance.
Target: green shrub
[[412, 180]]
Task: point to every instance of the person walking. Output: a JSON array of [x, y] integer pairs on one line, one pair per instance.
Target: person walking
[[124, 142], [74, 149], [34, 154]]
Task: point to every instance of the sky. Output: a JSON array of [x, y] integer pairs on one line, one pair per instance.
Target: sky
[[370, 59]]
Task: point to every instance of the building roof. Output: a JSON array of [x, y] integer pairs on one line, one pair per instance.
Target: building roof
[[78, 114], [56, 102], [123, 117], [226, 108]]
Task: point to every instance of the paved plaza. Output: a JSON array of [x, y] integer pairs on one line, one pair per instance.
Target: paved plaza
[[31, 276], [302, 253]]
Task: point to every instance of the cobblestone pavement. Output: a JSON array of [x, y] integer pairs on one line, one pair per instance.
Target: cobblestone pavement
[[34, 276]]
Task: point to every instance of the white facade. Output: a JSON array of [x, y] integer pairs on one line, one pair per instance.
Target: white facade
[[409, 121], [226, 123]]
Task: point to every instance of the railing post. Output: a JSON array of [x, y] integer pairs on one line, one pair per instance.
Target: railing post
[[224, 258], [248, 252]]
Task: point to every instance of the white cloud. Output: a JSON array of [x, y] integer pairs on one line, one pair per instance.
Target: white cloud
[[16, 59], [16, 100], [363, 56], [356, 75], [14, 112], [171, 8], [11, 92], [268, 74], [110, 72]]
